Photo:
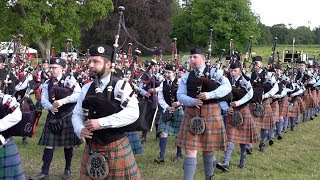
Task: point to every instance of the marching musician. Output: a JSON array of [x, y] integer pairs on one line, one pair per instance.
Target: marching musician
[[101, 135], [202, 108], [241, 127], [58, 130], [265, 82], [10, 162], [172, 114]]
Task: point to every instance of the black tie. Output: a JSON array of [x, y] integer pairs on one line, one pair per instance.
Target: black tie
[[170, 82]]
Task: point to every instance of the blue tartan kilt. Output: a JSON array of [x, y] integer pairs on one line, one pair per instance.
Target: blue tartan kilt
[[135, 142], [67, 137], [171, 127], [10, 162]]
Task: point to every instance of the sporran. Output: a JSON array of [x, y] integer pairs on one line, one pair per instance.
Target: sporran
[[197, 125], [236, 119], [258, 110], [97, 166]]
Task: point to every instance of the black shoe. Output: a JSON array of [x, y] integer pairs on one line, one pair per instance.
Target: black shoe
[[311, 118], [222, 166], [66, 174], [249, 150], [279, 137], [177, 158], [292, 129], [241, 166], [24, 141], [316, 115], [270, 142], [40, 176], [159, 160], [262, 147], [143, 140]]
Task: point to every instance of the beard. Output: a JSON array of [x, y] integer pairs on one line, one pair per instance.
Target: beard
[[100, 73]]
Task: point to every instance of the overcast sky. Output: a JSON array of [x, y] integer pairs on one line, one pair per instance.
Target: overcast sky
[[294, 12]]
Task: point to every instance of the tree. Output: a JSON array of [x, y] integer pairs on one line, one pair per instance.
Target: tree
[[51, 22], [147, 21], [228, 19], [317, 34], [279, 31], [266, 36], [302, 35]]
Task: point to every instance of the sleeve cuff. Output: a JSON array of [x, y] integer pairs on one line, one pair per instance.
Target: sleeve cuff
[[103, 122]]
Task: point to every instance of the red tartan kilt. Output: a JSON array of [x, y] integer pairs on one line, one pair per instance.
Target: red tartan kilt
[[265, 122], [309, 101], [213, 138], [302, 105], [37, 93], [315, 97], [122, 164], [294, 113], [247, 132], [275, 110], [283, 107]]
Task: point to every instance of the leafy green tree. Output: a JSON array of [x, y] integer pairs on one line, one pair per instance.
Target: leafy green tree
[[266, 36], [302, 35], [50, 23], [228, 19], [280, 31], [317, 34]]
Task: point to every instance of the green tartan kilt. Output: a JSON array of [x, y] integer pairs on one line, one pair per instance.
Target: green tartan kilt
[[10, 162], [171, 127], [135, 142], [67, 137]]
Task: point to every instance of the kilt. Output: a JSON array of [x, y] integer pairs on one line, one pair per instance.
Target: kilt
[[10, 162], [315, 97], [265, 122], [302, 105], [135, 142], [122, 164], [171, 127], [294, 113], [67, 137], [213, 138], [247, 132], [284, 106], [275, 110], [309, 101]]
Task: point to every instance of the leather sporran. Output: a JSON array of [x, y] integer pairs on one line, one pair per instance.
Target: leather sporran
[[97, 166], [258, 110], [55, 125], [167, 116], [197, 125], [236, 119]]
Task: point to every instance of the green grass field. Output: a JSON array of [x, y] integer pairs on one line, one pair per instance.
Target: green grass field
[[295, 157]]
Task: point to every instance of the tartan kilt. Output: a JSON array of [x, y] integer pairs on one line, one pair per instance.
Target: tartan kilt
[[122, 164], [309, 101], [10, 162], [135, 142], [294, 113], [171, 127], [315, 97], [247, 132], [213, 138], [67, 137], [284, 106], [302, 105], [265, 122], [276, 111]]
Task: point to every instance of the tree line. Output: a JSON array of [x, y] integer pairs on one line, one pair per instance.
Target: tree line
[[153, 23]]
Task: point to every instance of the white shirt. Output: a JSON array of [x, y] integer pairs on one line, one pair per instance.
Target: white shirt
[[126, 116], [10, 119]]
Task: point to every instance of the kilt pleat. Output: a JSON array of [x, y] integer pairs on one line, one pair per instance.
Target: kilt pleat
[[309, 101], [65, 139], [265, 122], [302, 105], [135, 142], [213, 138], [315, 97], [171, 127], [10, 162], [122, 164], [275, 110], [284, 107], [247, 132]]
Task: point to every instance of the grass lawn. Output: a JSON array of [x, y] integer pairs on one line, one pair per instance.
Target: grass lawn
[[295, 157]]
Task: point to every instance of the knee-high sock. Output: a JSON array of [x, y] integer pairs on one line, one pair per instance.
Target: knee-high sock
[[163, 146], [279, 126], [189, 167], [208, 162], [263, 135], [68, 153], [243, 153], [285, 124], [228, 152], [179, 152], [46, 158]]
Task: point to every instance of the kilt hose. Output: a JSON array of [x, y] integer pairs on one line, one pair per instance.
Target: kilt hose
[[171, 127], [10, 162], [295, 111], [122, 164], [246, 133], [135, 142], [265, 122], [276, 111], [213, 138], [283, 106], [302, 105], [67, 137]]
